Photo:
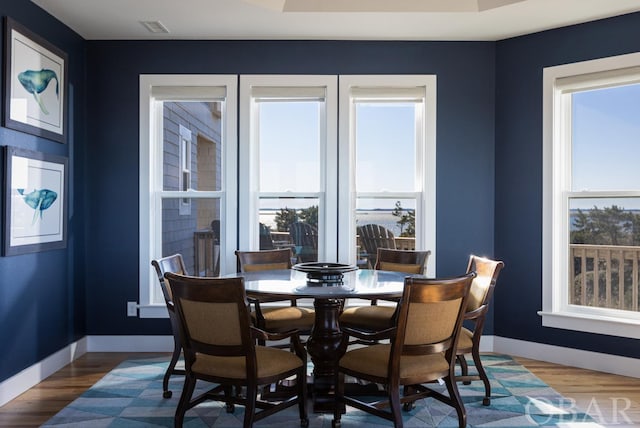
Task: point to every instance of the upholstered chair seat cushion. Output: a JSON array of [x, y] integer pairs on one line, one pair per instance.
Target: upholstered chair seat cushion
[[373, 360], [282, 318], [372, 317], [271, 361]]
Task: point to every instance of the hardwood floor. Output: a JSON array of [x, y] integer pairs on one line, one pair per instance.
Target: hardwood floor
[[612, 400], [40, 403]]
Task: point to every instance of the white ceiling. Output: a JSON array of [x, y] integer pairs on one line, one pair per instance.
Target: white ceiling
[[327, 19]]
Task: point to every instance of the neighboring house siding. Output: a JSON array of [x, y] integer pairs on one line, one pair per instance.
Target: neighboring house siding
[[178, 227]]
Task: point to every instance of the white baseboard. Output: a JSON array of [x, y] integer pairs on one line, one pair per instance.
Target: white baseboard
[[607, 363], [486, 344], [27, 378], [129, 343]]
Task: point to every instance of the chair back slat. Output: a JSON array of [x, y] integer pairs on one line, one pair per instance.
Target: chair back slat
[[408, 261], [249, 261], [483, 285], [174, 264]]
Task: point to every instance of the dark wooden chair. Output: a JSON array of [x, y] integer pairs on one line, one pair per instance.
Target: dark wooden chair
[[174, 264], [378, 317], [275, 318], [374, 236], [482, 288], [219, 347], [305, 238], [422, 349]]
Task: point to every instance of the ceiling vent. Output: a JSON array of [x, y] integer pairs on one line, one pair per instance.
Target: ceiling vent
[[155, 27]]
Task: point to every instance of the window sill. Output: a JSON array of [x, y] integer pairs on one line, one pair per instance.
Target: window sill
[[592, 324]]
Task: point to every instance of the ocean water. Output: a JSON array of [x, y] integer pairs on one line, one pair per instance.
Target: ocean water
[[384, 218]]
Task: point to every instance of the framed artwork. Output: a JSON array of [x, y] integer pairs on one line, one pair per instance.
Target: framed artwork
[[35, 84], [35, 201]]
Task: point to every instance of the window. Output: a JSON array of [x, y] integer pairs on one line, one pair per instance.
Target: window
[[301, 175], [387, 141], [187, 177], [289, 148], [592, 196], [185, 166]]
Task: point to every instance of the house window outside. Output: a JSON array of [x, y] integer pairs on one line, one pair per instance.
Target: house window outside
[[187, 180], [185, 167], [592, 196]]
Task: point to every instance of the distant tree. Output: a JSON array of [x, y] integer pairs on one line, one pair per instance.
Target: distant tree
[[284, 218], [607, 226], [635, 229], [407, 218], [583, 232], [309, 215]]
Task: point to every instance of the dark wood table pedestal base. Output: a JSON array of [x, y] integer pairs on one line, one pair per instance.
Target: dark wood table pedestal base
[[325, 348]]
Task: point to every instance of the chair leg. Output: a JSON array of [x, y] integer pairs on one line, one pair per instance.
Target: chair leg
[[339, 396], [185, 398], [464, 367], [456, 401], [177, 349], [483, 375], [250, 405], [301, 383], [394, 401], [229, 406], [409, 405]]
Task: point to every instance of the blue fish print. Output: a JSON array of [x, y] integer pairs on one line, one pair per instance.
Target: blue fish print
[[39, 200], [35, 82]]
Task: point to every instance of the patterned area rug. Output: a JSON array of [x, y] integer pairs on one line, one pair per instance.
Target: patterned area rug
[[131, 396]]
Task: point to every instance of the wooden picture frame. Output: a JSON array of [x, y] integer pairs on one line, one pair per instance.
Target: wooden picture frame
[[35, 200], [35, 84]]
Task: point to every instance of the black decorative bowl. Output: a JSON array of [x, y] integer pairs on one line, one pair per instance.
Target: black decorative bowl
[[320, 273]]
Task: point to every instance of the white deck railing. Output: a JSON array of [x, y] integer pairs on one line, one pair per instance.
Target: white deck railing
[[596, 278]]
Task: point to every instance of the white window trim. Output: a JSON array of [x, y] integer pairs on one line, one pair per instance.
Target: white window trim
[[288, 86], [149, 159], [386, 86], [556, 311]]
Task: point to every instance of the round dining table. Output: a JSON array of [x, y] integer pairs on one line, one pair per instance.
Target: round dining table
[[325, 342]]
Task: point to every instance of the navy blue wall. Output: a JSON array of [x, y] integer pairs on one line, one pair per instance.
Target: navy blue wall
[[465, 143], [518, 220], [488, 201], [42, 294]]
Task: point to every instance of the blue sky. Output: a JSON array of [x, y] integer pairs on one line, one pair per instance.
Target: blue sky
[[290, 147], [606, 139], [606, 143]]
